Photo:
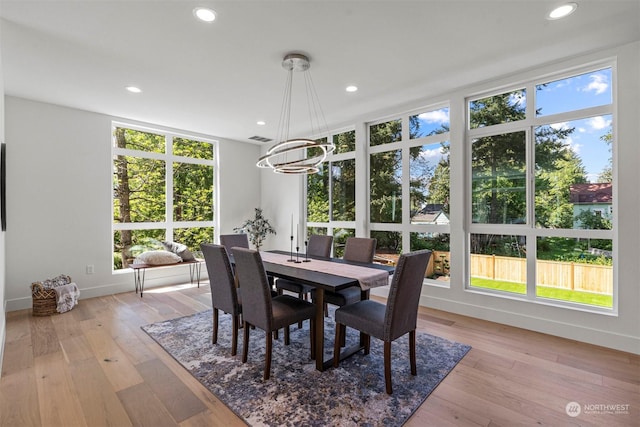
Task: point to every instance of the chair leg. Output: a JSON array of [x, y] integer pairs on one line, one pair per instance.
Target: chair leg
[[267, 356], [245, 343], [286, 335], [312, 338], [343, 335], [302, 297], [326, 310], [214, 337], [234, 334], [412, 352], [336, 344], [366, 343], [387, 366]]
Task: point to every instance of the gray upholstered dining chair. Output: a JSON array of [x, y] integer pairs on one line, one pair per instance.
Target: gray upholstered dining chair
[[224, 295], [319, 246], [234, 240], [391, 321], [239, 240], [263, 311], [357, 249]]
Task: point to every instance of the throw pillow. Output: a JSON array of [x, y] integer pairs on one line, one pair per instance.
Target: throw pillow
[[180, 250], [157, 258], [174, 247]]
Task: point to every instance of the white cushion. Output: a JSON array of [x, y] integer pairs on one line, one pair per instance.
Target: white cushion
[[157, 258], [180, 250]]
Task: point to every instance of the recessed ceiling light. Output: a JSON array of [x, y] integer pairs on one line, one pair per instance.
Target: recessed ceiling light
[[204, 14], [562, 11], [133, 89], [351, 88], [261, 123]]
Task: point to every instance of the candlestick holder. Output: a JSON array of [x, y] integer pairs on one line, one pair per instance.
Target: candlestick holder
[[306, 252], [297, 261], [291, 251]]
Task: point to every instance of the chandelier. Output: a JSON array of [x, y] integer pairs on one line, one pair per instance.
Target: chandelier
[[298, 155]]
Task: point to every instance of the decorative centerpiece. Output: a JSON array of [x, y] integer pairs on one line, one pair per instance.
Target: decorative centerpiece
[[256, 228]]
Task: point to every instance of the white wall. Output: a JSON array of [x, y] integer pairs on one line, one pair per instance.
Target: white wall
[[283, 202], [59, 215], [621, 331]]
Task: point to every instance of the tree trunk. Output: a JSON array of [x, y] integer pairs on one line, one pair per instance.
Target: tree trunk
[[123, 194]]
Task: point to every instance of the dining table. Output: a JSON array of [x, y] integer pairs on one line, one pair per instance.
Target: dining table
[[325, 274]]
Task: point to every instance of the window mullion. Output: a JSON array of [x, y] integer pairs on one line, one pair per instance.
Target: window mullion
[[169, 188]]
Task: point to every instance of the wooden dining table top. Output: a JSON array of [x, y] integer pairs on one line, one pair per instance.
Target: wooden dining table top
[[318, 279]]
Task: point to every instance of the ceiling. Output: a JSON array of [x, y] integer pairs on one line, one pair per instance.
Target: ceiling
[[220, 78]]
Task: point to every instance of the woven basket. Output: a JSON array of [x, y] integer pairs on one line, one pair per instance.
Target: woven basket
[[44, 300]]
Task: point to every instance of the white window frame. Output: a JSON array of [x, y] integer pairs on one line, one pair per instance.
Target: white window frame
[[528, 230], [169, 158], [332, 158]]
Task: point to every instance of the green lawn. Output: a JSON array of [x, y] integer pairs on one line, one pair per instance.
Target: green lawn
[[546, 292]]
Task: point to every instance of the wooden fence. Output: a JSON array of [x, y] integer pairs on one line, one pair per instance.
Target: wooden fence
[[566, 275], [556, 274]]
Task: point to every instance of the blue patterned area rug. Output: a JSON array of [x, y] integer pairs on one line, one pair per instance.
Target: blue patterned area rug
[[297, 394]]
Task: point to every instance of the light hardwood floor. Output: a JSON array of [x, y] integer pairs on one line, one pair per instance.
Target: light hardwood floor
[[94, 366]]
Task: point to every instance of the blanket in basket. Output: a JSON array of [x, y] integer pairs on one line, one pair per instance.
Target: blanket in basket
[[67, 292], [67, 296]]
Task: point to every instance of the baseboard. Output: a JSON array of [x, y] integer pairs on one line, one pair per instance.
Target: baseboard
[[3, 335], [593, 336], [23, 303]]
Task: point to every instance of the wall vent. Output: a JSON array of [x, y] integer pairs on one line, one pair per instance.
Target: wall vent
[[260, 138]]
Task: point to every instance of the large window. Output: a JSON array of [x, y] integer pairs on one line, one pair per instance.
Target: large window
[[541, 191], [163, 190], [409, 188], [331, 198], [532, 171]]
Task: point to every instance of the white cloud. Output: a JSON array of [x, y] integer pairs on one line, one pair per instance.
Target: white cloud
[[598, 123], [598, 83], [574, 146], [518, 98], [438, 116], [559, 126], [435, 153]]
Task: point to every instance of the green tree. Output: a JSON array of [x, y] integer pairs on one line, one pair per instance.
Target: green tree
[[386, 174], [607, 173], [499, 165], [318, 195], [139, 190], [498, 161], [438, 186], [553, 208], [343, 188]]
